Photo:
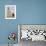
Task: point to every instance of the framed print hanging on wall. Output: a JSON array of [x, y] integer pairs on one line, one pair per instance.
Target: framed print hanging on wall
[[10, 11]]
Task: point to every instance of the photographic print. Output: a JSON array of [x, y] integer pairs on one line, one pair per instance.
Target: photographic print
[[10, 11], [31, 33]]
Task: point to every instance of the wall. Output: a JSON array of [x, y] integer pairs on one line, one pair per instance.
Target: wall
[[27, 12]]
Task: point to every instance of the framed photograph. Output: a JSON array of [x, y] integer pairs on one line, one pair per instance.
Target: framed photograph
[[10, 11], [33, 32]]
